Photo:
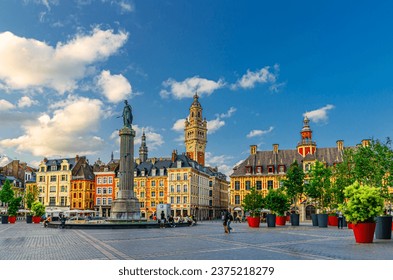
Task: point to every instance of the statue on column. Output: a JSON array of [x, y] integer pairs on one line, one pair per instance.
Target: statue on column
[[127, 115]]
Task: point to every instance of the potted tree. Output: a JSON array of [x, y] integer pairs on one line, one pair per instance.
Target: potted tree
[[277, 202], [30, 197], [13, 207], [294, 187], [363, 204], [38, 210], [6, 195], [253, 203], [373, 165], [319, 189]]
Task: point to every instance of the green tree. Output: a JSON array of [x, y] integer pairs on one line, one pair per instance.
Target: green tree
[[363, 203], [6, 193], [13, 206], [343, 175], [30, 197], [277, 202], [373, 165], [38, 209], [294, 182], [253, 202], [319, 186]]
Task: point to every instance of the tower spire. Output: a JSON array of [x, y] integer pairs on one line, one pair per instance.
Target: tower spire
[[143, 148], [306, 145], [195, 132]]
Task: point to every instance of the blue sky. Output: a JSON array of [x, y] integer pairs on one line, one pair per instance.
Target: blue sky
[[258, 66]]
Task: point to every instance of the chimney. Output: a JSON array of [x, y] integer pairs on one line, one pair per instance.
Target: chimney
[[275, 148], [365, 142], [76, 158], [253, 149], [174, 155], [340, 145], [153, 160]]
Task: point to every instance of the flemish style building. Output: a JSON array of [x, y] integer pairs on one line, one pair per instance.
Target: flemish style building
[[54, 181], [265, 170]]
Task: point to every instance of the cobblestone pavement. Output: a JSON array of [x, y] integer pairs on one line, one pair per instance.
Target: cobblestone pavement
[[206, 241]]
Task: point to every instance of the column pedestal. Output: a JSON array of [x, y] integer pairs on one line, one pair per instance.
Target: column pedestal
[[126, 206]]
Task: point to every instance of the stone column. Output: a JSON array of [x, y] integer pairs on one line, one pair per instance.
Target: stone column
[[126, 174], [126, 205]]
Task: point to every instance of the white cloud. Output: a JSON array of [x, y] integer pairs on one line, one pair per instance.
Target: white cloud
[[189, 87], [256, 132], [126, 7], [221, 162], [26, 101], [214, 125], [6, 105], [69, 130], [179, 125], [229, 113], [261, 76], [154, 140], [4, 160], [319, 115], [29, 63], [115, 88]]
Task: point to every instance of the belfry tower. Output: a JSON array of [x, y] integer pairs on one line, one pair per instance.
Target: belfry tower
[[306, 145], [195, 132]]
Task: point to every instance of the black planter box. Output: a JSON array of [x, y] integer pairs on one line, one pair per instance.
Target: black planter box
[[314, 219], [322, 220], [295, 219], [271, 220], [29, 219], [4, 219], [383, 229]]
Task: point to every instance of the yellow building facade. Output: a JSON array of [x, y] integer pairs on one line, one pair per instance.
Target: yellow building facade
[[266, 170], [53, 180]]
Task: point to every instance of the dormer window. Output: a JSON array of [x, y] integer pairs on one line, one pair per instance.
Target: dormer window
[[53, 168], [143, 173], [178, 164], [248, 169], [259, 169], [162, 172], [153, 172], [281, 168], [135, 173], [270, 169]]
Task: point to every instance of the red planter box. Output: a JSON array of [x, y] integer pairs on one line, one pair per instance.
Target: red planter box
[[350, 225], [280, 220], [36, 219], [364, 232], [333, 221], [253, 221], [12, 219]]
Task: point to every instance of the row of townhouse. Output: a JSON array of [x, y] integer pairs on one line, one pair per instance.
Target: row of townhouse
[[181, 180]]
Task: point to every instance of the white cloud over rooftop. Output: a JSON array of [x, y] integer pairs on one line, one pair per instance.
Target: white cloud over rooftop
[[33, 64]]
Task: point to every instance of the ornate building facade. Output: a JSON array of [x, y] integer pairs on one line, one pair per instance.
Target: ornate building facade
[[54, 181], [265, 170]]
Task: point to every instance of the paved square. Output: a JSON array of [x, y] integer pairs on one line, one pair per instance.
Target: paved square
[[206, 241]]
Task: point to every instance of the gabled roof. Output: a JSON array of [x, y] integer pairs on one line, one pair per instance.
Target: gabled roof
[[286, 157]]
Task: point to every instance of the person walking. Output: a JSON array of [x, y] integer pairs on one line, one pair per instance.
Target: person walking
[[225, 223], [230, 219], [340, 220]]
